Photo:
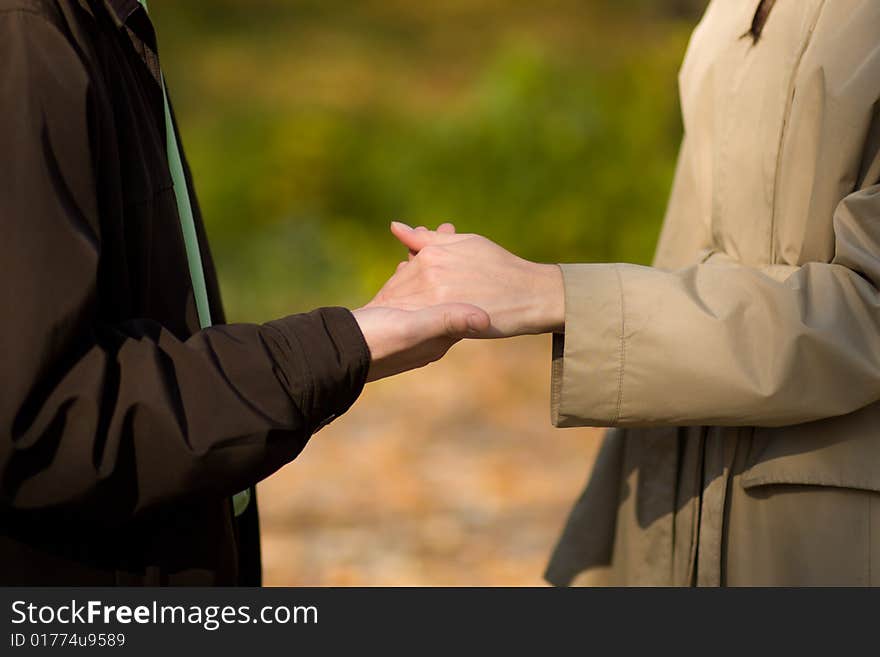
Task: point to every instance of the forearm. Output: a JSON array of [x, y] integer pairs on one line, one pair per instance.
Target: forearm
[[141, 418], [715, 345]]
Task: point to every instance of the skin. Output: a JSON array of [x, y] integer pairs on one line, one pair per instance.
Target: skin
[[520, 297], [404, 339]]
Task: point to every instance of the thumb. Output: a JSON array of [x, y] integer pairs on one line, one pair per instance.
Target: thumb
[[416, 240], [452, 320]]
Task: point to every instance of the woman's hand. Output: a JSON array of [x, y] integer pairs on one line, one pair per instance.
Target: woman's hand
[[444, 267]]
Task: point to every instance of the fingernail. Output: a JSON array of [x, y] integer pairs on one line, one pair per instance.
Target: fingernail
[[400, 224], [473, 322]]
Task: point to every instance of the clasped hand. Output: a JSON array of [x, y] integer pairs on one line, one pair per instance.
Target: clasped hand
[[454, 286]]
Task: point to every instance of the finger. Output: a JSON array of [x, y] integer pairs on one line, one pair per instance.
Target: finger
[[453, 320], [416, 240], [400, 266], [446, 228], [399, 228]]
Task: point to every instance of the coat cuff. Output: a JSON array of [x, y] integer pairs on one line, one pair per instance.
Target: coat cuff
[[328, 347], [589, 359]]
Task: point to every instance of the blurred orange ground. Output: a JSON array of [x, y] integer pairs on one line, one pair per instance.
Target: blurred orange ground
[[450, 475]]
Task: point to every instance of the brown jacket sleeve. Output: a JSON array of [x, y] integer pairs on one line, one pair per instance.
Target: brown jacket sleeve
[[109, 420]]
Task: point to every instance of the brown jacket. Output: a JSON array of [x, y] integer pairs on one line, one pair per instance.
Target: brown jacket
[[752, 348], [124, 429]]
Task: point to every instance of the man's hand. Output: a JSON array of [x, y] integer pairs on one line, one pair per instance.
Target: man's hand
[[444, 267], [401, 340]]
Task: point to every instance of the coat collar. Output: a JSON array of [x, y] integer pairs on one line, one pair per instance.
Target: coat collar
[[122, 10]]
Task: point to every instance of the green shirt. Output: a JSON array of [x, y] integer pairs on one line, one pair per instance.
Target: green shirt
[[193, 255]]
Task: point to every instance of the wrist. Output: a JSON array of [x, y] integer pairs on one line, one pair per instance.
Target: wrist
[[548, 299], [377, 349]]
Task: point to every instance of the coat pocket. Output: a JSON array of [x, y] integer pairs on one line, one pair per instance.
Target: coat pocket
[[842, 451]]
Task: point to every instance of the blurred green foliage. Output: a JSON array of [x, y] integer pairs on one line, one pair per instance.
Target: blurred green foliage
[[550, 127]]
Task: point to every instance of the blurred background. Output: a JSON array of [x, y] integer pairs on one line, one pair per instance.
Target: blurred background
[[551, 127]]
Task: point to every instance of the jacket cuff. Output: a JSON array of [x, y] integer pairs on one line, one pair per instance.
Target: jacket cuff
[[328, 347], [588, 360]]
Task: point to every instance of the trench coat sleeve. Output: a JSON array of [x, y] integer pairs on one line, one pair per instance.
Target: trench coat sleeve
[[107, 420], [727, 344]]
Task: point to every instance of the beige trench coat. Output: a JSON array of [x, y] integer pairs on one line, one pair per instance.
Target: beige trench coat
[[742, 371]]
